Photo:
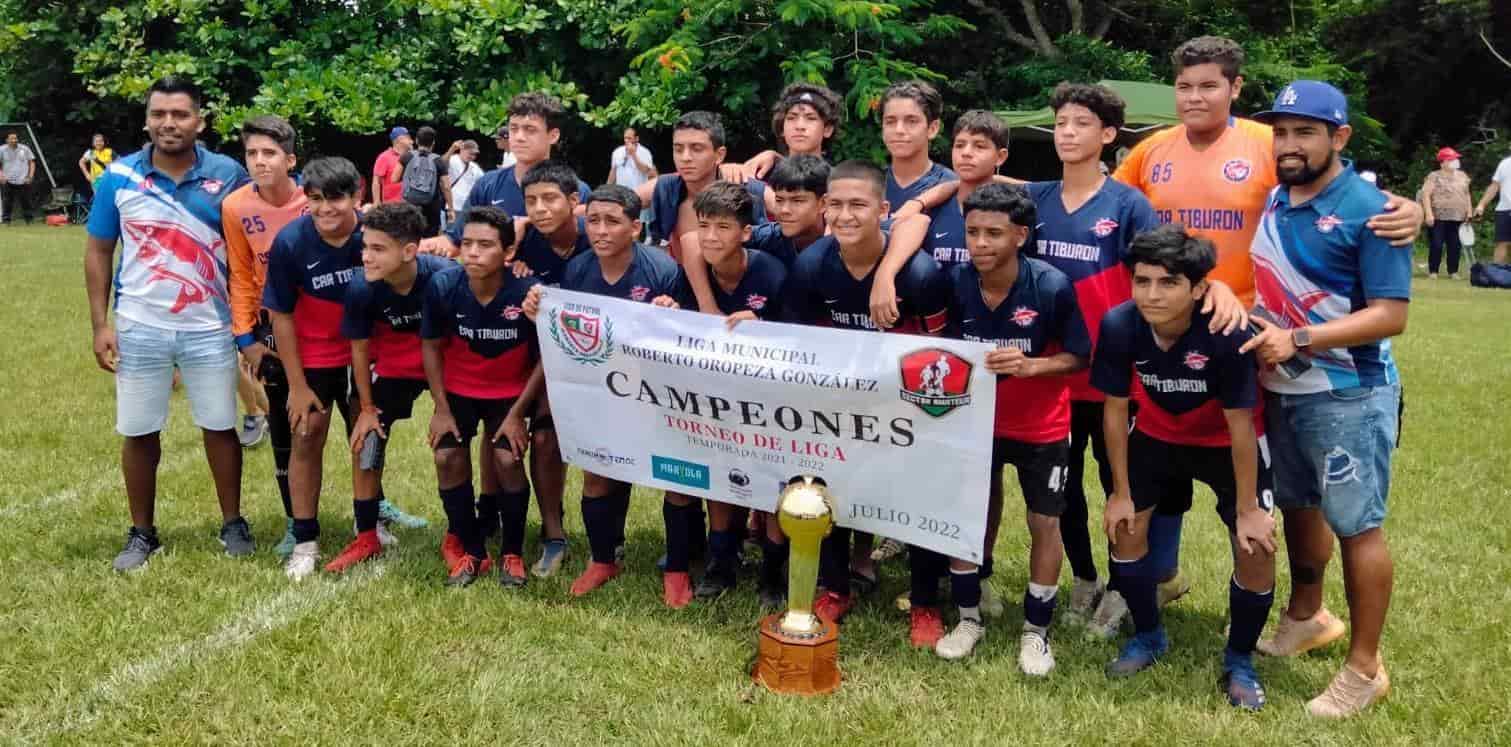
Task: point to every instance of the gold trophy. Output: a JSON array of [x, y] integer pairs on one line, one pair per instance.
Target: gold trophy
[[797, 651]]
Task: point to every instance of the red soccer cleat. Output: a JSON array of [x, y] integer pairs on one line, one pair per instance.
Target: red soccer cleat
[[832, 607], [451, 550], [927, 626], [676, 589], [511, 573], [364, 547], [468, 570], [595, 576]]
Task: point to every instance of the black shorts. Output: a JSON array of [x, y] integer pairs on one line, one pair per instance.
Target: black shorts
[[395, 398], [333, 386], [1160, 475], [1502, 226], [1041, 472], [540, 415], [469, 411]]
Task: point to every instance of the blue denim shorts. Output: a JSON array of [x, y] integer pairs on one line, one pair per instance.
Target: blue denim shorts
[[1331, 450], [144, 377]]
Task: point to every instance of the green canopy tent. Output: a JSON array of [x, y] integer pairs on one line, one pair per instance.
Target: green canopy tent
[[1151, 106]]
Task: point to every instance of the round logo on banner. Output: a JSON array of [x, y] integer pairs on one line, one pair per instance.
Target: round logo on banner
[[585, 336]]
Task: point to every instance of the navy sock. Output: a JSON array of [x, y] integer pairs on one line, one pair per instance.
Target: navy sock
[[619, 505], [985, 571], [366, 511], [923, 575], [697, 528], [597, 521], [462, 514], [1038, 612], [676, 519], [1137, 584], [834, 561], [965, 590], [306, 530], [1164, 544], [281, 476], [488, 508], [513, 508], [723, 553], [1248, 610], [773, 564]]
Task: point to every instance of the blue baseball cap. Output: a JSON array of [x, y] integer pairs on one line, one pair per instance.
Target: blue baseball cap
[[1312, 99], [397, 133]]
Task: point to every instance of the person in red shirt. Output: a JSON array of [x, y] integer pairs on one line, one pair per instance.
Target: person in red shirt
[[387, 186]]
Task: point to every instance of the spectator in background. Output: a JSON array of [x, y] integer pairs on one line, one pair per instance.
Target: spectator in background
[[1446, 204], [18, 166], [501, 139], [632, 165], [1498, 186], [95, 160], [386, 171], [423, 182], [462, 171]]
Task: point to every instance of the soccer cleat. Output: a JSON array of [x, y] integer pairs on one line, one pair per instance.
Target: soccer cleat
[[713, 586], [451, 550], [285, 546], [1035, 657], [1139, 653], [390, 513], [991, 604], [888, 549], [1349, 694], [772, 597], [1240, 682], [1296, 637], [925, 627], [511, 572], [385, 537], [1174, 589], [364, 547], [552, 553], [1108, 618], [961, 641], [596, 575], [140, 546], [254, 428], [236, 537], [1084, 596], [302, 561], [832, 606], [676, 589], [467, 570]]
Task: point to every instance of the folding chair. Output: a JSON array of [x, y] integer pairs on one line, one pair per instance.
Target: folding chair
[[61, 198], [78, 209]]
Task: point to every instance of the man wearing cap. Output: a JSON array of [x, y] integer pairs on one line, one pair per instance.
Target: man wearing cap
[[1331, 292], [501, 140], [387, 185], [1446, 204]]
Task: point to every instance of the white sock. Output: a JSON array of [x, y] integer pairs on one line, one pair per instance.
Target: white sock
[[1042, 592]]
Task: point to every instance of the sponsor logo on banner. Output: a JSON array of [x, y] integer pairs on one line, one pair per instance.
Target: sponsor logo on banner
[[1195, 361], [691, 474], [1237, 170], [1104, 227], [605, 457], [739, 483], [583, 334], [938, 381]]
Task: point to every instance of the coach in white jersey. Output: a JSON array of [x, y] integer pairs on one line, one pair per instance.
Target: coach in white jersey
[[171, 307]]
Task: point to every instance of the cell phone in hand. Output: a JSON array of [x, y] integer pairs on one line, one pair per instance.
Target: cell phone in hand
[[371, 456], [1292, 368]]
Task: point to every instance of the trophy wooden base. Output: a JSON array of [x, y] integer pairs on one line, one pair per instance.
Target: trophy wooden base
[[797, 665]]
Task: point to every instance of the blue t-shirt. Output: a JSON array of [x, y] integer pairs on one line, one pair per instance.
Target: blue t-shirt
[[821, 291], [536, 252], [500, 189], [1317, 262], [946, 239], [652, 273], [490, 349], [1181, 392], [671, 190], [759, 290], [375, 311], [768, 237], [308, 278], [898, 194]]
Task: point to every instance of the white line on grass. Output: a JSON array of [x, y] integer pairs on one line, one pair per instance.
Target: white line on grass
[[130, 679], [105, 481]]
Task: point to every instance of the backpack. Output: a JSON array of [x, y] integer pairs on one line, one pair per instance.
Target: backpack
[[1490, 275], [421, 180]]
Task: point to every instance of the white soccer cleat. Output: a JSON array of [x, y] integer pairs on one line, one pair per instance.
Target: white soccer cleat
[[1035, 657], [1108, 618], [303, 561], [961, 641]]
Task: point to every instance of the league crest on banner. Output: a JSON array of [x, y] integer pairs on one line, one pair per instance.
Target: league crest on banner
[[938, 381], [583, 334]]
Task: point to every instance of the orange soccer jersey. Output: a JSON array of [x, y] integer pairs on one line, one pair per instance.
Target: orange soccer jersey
[[1218, 192], [249, 224]]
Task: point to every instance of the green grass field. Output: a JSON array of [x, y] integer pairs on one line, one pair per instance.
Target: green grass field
[[203, 649]]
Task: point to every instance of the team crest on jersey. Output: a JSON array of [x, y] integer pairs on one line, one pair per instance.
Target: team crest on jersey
[[755, 301], [1327, 223], [1237, 170], [512, 312], [1024, 316], [938, 381], [1195, 361], [583, 333], [639, 293], [212, 186], [1104, 228]]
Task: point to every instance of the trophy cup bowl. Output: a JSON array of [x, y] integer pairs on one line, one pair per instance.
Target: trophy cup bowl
[[798, 652]]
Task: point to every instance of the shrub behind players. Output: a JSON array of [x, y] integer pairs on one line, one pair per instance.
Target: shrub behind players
[[1028, 310], [479, 358], [1196, 392]]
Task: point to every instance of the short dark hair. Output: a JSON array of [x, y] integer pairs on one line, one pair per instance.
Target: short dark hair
[[1101, 100], [331, 176], [1222, 51], [401, 220], [803, 173], [169, 84], [551, 172], [1171, 247], [270, 126], [101, 136], [827, 103], [1003, 198], [863, 170], [926, 96], [726, 199], [704, 121], [539, 104], [492, 216], [619, 195], [985, 123], [425, 137]]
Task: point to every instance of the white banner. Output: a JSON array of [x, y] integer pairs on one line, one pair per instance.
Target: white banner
[[899, 426]]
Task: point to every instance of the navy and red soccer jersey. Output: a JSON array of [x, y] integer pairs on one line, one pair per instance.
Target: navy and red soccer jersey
[[1040, 316], [376, 312], [307, 278], [1089, 245], [500, 188], [898, 194], [768, 238], [490, 350], [1181, 392], [668, 195], [946, 239], [821, 291], [545, 264], [759, 290], [652, 273]]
